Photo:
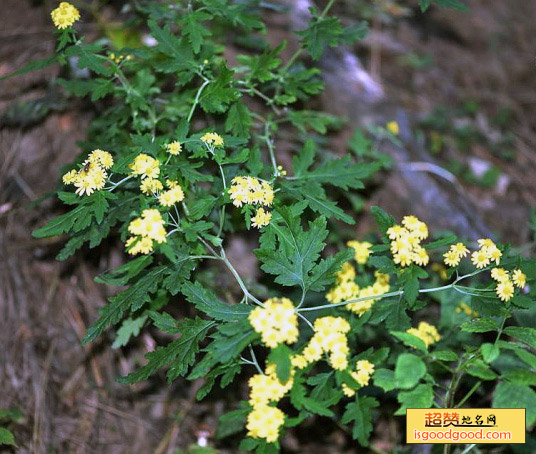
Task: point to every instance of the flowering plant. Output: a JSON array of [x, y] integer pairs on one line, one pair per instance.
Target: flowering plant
[[191, 158]]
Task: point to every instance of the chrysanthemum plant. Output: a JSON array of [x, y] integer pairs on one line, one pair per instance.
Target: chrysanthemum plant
[[182, 155]]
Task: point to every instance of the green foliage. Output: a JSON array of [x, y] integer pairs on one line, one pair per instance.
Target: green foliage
[[182, 88]]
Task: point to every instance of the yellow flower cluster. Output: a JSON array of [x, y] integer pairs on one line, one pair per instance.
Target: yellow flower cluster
[[119, 58], [174, 148], [146, 229], [406, 242], [151, 186], [455, 253], [264, 420], [362, 374], [281, 171], [426, 332], [92, 176], [276, 322], [330, 338], [145, 166], [488, 252], [393, 127], [347, 289], [506, 282], [212, 139], [65, 15], [466, 309], [250, 190], [261, 218], [171, 196], [362, 250]]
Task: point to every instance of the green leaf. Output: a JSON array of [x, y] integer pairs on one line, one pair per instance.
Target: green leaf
[[409, 370], [305, 158], [239, 120], [129, 328], [164, 322], [512, 395], [88, 57], [490, 352], [383, 219], [297, 251], [280, 356], [453, 4], [135, 296], [193, 28], [231, 423], [393, 311], [480, 325], [480, 369], [310, 119], [124, 273], [409, 278], [217, 95], [420, 397], [520, 376], [410, 340], [360, 412], [32, 66], [324, 273], [316, 198], [445, 355], [229, 341], [445, 241], [299, 399], [6, 437], [180, 352], [524, 334], [207, 302], [385, 379], [321, 33]]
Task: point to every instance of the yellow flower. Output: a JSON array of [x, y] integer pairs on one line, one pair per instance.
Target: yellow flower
[[145, 166], [102, 158], [362, 250], [420, 256], [403, 258], [499, 274], [139, 245], [460, 249], [281, 171], [171, 196], [393, 127], [452, 258], [480, 258], [505, 290], [493, 253], [426, 332], [261, 218], [174, 148], [90, 178], [211, 138], [396, 232], [276, 322], [486, 242], [266, 388], [151, 186], [365, 366], [347, 391], [65, 15], [519, 278], [70, 177], [149, 225], [250, 190], [264, 422]]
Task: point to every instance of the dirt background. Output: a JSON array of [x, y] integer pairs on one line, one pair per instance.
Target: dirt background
[[67, 393]]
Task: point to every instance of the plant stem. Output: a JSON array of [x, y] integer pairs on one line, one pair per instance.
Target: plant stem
[[469, 394], [229, 265], [270, 145], [196, 100], [395, 293]]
